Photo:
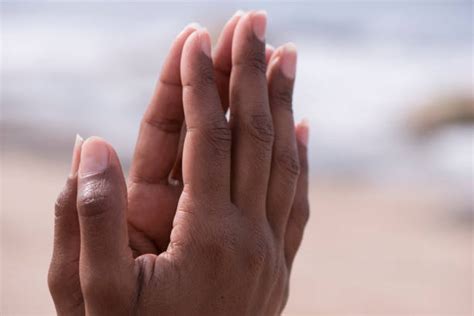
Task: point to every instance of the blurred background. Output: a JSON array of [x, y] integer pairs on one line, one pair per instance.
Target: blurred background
[[386, 86]]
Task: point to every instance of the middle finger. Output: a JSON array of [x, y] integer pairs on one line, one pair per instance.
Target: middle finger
[[251, 121]]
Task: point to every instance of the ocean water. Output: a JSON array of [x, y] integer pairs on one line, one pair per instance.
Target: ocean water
[[363, 67]]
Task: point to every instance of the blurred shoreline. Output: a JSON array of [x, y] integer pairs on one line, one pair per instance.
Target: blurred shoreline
[[53, 142]]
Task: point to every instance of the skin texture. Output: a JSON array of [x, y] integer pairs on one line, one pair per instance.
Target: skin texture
[[222, 239]]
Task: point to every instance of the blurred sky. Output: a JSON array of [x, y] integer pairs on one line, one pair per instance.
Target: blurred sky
[[90, 68]]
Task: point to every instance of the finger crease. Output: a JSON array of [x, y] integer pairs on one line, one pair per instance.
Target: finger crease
[[170, 84], [168, 126]]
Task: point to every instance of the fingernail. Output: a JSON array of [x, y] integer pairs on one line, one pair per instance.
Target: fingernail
[[94, 157], [273, 62], [302, 132], [259, 24], [275, 58], [194, 26], [268, 52], [76, 155], [205, 42], [288, 62], [238, 13]]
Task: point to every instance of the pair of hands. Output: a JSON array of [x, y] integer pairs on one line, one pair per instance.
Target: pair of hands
[[214, 210]]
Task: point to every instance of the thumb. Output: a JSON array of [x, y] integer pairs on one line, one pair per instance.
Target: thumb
[[105, 258]]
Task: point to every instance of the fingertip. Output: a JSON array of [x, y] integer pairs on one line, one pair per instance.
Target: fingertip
[[288, 60], [259, 24], [269, 50], [275, 55], [196, 59], [251, 25], [199, 41], [273, 61], [232, 22], [205, 41], [95, 156], [269, 47], [223, 49], [76, 156], [304, 123], [191, 27], [284, 58], [174, 56], [302, 132], [238, 13]]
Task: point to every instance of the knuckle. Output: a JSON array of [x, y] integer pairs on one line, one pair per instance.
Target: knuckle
[[289, 163], [214, 250], [258, 125], [63, 278], [277, 273], [64, 200], [256, 255], [201, 80], [229, 238], [61, 203], [55, 282], [303, 159], [218, 244], [99, 284], [169, 126], [106, 284], [220, 140], [93, 200], [90, 287], [284, 99], [260, 128], [304, 167], [206, 74], [300, 215], [254, 61], [258, 66], [218, 136]]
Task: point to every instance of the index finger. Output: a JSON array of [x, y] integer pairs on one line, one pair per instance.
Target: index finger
[[158, 141], [206, 154]]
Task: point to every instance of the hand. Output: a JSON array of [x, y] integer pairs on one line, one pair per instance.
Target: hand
[[241, 213], [155, 181]]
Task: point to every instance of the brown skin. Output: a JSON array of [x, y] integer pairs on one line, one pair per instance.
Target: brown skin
[[152, 198], [238, 219]]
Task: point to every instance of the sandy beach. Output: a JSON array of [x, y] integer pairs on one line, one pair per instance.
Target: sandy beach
[[367, 251]]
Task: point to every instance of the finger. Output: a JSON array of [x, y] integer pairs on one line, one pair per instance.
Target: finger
[[206, 153], [285, 165], [269, 50], [251, 122], [222, 58], [300, 210], [106, 263], [63, 276], [158, 140], [176, 176]]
